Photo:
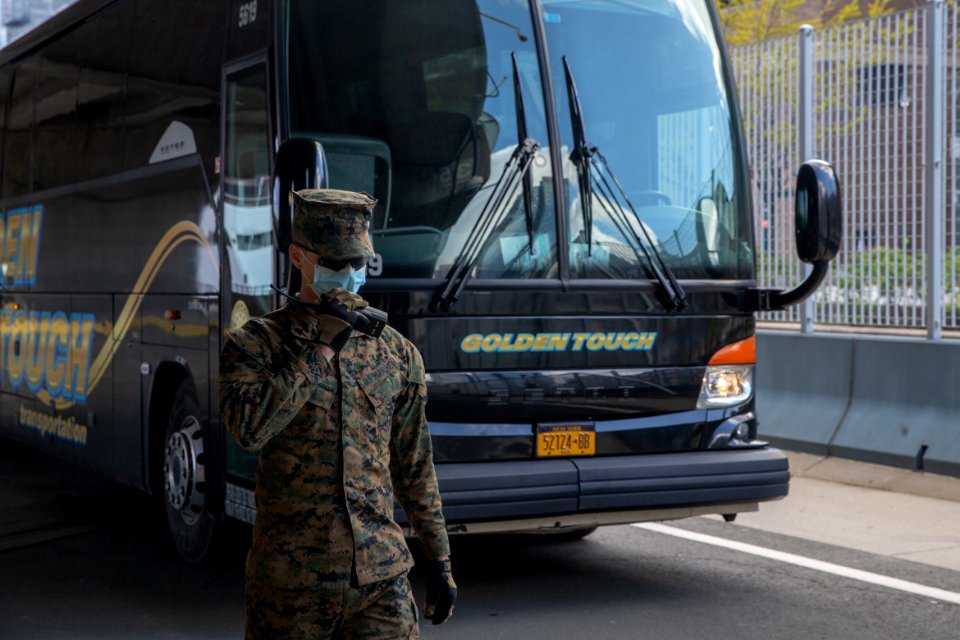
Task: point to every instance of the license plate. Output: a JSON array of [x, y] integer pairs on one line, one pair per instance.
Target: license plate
[[566, 440]]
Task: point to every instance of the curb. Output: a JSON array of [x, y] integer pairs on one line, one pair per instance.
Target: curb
[[873, 476]]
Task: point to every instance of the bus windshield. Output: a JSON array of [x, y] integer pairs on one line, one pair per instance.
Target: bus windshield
[[655, 104], [416, 103]]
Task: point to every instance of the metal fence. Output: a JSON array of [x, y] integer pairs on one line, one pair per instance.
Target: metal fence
[[882, 96]]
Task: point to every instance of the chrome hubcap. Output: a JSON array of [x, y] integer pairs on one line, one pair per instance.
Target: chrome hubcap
[[183, 472]]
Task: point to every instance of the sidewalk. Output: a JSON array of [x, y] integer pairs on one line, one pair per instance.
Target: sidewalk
[[883, 510], [874, 476]]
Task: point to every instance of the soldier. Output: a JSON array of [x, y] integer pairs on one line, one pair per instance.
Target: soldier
[[338, 419]]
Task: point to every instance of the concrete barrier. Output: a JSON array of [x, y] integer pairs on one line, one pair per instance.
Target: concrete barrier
[[892, 401]]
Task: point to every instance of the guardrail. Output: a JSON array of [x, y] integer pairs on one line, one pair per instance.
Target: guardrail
[[888, 400]]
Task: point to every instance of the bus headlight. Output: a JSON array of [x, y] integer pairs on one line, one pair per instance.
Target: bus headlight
[[725, 386]]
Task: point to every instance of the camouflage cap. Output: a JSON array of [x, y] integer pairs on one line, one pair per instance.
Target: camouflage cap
[[333, 223]]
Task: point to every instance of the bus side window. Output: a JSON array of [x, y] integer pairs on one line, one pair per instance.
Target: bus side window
[[55, 99], [6, 77], [17, 141], [100, 94], [158, 92]]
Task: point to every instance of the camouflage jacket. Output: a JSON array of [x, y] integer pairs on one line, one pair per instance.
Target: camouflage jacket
[[337, 441]]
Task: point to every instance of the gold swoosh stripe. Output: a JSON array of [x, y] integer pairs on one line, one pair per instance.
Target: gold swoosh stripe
[[184, 231]]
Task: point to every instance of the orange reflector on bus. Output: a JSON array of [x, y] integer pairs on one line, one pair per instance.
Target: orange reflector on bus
[[743, 352], [172, 314]]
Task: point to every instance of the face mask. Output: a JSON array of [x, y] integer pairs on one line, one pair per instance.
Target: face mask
[[325, 280]]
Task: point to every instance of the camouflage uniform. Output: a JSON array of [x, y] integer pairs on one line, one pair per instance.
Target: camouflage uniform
[[337, 440], [381, 611]]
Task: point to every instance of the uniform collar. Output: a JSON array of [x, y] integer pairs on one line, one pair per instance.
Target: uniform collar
[[303, 322]]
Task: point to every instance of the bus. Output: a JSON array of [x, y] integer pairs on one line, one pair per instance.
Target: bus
[[564, 229]]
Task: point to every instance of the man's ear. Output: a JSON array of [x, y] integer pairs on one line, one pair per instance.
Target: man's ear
[[296, 255]]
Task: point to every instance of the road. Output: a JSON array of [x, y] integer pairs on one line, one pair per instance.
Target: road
[[81, 558]]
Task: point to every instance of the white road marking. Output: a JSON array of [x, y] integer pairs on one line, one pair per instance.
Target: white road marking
[[809, 563]]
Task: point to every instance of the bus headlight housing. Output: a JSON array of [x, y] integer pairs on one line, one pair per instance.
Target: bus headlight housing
[[725, 386]]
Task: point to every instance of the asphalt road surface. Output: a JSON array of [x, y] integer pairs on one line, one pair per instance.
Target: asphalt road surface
[[81, 558]]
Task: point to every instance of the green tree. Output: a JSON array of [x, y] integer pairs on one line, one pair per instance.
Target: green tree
[[748, 21]]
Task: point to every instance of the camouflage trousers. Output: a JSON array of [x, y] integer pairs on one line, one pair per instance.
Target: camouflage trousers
[[380, 611]]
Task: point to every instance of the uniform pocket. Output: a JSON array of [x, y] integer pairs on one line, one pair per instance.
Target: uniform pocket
[[324, 393], [380, 388]]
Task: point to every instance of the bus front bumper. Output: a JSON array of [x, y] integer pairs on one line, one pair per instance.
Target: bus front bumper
[[483, 497]]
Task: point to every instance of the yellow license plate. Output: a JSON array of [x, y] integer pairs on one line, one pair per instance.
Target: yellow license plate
[[566, 440]]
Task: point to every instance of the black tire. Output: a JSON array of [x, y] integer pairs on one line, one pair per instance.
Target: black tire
[[188, 479]]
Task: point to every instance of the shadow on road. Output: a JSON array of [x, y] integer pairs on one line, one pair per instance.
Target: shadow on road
[[86, 558]]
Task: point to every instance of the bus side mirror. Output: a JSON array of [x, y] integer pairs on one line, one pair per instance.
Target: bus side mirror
[[819, 213], [819, 220], [300, 164]]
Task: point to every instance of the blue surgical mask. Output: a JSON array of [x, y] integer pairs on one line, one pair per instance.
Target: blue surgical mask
[[325, 280]]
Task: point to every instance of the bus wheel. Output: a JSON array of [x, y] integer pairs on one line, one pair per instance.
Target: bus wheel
[[185, 477]]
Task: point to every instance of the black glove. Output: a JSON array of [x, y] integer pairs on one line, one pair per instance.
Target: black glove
[[441, 592], [351, 301]]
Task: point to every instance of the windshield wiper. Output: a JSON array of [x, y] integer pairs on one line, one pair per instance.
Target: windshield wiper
[[521, 141], [592, 175], [581, 156], [515, 173]]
